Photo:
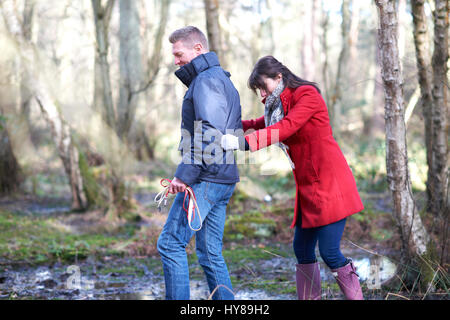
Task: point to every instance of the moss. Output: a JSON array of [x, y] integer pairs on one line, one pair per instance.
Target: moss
[[37, 240], [104, 189], [90, 185], [239, 254], [430, 272], [277, 285], [251, 224]]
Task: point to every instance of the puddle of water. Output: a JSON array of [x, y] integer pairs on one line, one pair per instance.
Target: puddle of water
[[368, 268], [199, 291], [43, 210], [42, 207], [46, 283], [75, 283], [374, 270]]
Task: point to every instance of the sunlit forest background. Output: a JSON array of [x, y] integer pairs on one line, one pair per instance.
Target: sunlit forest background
[[90, 114]]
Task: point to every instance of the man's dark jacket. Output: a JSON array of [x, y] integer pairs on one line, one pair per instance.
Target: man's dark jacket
[[211, 108]]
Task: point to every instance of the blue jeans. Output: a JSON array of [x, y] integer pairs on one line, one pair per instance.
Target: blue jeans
[[329, 238], [212, 199]]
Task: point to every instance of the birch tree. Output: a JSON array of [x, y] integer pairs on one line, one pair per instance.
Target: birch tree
[[416, 246]]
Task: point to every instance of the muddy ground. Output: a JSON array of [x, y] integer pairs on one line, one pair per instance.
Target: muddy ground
[[261, 268]]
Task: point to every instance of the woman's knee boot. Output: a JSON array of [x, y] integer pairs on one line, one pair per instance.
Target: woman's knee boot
[[348, 281], [308, 281]]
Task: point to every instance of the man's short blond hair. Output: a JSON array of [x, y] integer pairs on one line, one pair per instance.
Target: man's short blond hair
[[189, 35]]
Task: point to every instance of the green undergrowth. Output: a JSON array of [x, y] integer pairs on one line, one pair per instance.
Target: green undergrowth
[[250, 224], [39, 240]]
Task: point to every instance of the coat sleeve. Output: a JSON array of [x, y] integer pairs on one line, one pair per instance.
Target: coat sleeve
[[211, 115], [306, 104], [255, 124]]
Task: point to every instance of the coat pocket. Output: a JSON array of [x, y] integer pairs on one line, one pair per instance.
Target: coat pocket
[[308, 173]]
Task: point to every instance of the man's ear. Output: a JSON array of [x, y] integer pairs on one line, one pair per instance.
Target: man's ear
[[198, 48]]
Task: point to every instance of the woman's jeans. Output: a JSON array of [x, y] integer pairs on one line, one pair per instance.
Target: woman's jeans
[[212, 199], [329, 238]]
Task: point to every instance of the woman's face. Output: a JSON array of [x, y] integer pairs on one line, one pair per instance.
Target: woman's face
[[270, 85]]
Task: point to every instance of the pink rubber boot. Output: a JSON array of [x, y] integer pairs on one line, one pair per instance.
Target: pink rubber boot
[[348, 281], [308, 281]]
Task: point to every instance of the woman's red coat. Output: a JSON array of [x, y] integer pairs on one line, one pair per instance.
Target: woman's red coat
[[326, 188]]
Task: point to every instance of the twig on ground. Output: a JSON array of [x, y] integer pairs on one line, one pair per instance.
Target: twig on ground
[[216, 288], [395, 294]]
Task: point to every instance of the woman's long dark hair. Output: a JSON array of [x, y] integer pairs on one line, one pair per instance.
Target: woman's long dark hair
[[270, 67]]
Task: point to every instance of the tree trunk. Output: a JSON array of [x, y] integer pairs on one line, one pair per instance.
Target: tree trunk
[[336, 100], [62, 138], [142, 138], [118, 202], [131, 70], [25, 94], [60, 129], [353, 34], [9, 167], [153, 63], [421, 40], [416, 245], [307, 50], [439, 168], [375, 122], [102, 17], [325, 55], [213, 29]]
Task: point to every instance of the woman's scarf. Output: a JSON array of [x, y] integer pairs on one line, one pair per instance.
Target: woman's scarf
[[274, 112]]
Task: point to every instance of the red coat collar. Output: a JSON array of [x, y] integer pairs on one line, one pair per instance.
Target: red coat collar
[[284, 96]]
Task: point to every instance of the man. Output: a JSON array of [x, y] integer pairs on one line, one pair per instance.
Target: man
[[211, 108]]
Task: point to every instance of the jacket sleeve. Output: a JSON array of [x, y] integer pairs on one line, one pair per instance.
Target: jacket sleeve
[[253, 124], [211, 115], [306, 104]]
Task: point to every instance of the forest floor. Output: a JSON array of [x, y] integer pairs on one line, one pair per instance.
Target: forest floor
[[49, 252]]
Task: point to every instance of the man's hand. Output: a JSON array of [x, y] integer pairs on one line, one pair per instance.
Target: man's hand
[[229, 142], [177, 186]]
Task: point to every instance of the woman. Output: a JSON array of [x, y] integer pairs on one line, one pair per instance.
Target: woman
[[296, 116]]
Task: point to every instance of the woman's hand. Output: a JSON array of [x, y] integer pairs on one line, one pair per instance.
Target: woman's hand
[[230, 142]]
